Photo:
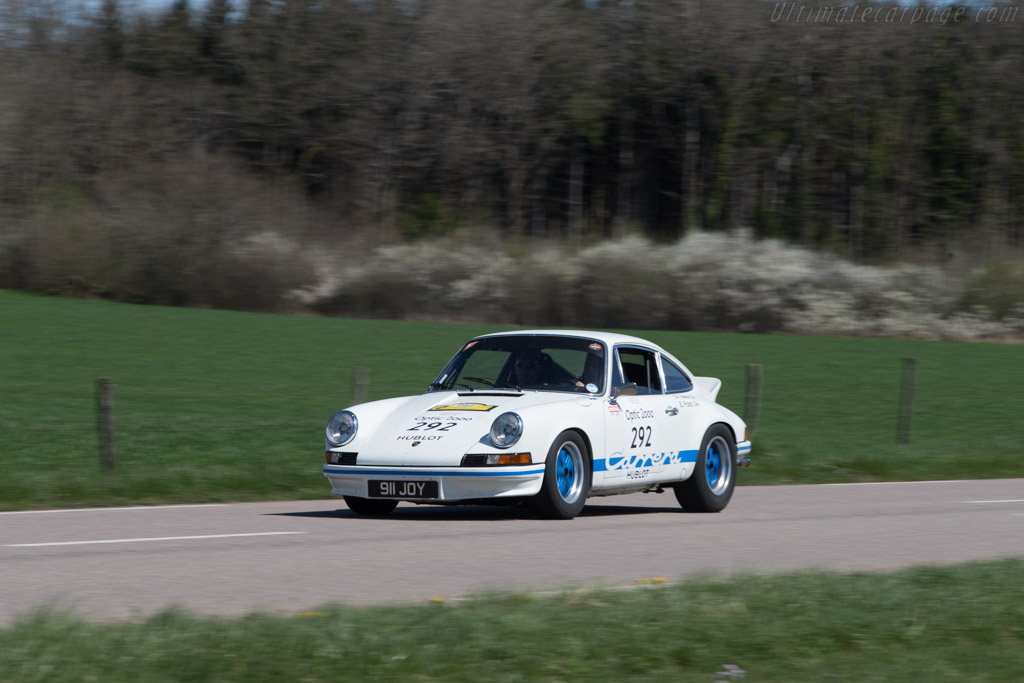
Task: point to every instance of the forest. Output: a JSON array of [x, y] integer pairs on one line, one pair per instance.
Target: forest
[[165, 156]]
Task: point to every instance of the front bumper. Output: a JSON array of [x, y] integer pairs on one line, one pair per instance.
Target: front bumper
[[454, 483]]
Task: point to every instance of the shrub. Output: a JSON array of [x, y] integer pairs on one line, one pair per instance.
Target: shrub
[[197, 232], [705, 281], [997, 289]]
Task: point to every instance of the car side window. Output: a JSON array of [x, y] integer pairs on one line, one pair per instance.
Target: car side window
[[676, 380], [640, 367]]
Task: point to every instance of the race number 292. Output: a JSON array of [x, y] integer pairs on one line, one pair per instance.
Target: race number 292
[[641, 436]]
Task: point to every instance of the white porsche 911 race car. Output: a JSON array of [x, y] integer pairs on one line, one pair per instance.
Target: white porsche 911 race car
[[545, 417]]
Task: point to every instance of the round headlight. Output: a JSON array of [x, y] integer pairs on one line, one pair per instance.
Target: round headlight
[[506, 430], [341, 428]]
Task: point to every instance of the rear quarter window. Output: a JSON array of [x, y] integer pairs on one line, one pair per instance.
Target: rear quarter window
[[676, 380]]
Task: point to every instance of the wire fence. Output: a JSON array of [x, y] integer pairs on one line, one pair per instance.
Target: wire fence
[[107, 417], [84, 428]]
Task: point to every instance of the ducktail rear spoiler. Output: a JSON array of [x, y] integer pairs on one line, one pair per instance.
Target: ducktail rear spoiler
[[709, 385]]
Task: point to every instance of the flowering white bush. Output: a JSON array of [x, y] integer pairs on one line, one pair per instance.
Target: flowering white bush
[[705, 281]]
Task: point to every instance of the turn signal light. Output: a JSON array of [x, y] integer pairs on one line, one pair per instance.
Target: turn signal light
[[482, 460], [511, 459]]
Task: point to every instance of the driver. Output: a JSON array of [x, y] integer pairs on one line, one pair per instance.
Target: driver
[[592, 371], [529, 367]]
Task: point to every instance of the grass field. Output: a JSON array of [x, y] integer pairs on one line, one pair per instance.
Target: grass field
[[954, 624], [215, 405], [221, 405]]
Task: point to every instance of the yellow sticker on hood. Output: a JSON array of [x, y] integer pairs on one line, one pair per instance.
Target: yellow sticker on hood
[[482, 407]]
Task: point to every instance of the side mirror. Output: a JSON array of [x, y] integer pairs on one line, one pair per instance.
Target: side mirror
[[628, 389]]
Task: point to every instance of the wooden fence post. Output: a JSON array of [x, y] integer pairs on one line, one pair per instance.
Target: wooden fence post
[[908, 386], [753, 407], [105, 411], [361, 385]]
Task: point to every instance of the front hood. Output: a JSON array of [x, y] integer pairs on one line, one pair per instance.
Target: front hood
[[440, 427]]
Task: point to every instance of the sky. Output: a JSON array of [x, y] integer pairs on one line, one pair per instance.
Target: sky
[[148, 4]]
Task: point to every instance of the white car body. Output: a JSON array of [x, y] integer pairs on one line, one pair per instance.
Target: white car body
[[431, 448]]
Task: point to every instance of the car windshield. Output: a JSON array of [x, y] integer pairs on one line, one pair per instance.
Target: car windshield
[[527, 362]]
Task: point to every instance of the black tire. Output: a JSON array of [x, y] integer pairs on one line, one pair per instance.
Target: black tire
[[370, 506], [567, 477], [710, 487]]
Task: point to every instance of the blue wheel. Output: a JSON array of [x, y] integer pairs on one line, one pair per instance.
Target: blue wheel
[[567, 477], [710, 487], [569, 472], [718, 464]]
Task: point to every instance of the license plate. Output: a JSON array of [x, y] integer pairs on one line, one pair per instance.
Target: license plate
[[403, 489]]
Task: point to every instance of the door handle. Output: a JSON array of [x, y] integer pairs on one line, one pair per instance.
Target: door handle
[[671, 411]]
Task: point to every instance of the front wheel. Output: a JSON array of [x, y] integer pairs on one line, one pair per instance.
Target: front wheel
[[567, 478], [710, 486], [370, 506]]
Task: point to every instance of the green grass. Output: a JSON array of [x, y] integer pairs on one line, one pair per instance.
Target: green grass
[[222, 405], [963, 623]]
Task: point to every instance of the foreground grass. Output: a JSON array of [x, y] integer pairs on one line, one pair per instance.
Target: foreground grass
[[936, 624], [222, 405]]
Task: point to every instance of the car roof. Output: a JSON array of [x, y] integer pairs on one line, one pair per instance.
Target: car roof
[[609, 338]]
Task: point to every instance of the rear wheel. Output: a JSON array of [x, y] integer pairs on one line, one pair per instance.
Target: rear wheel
[[710, 486], [370, 506], [567, 478]]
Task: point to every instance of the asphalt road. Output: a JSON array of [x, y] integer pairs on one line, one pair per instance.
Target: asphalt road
[[290, 557]]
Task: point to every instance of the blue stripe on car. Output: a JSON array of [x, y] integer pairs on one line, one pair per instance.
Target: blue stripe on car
[[440, 472]]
